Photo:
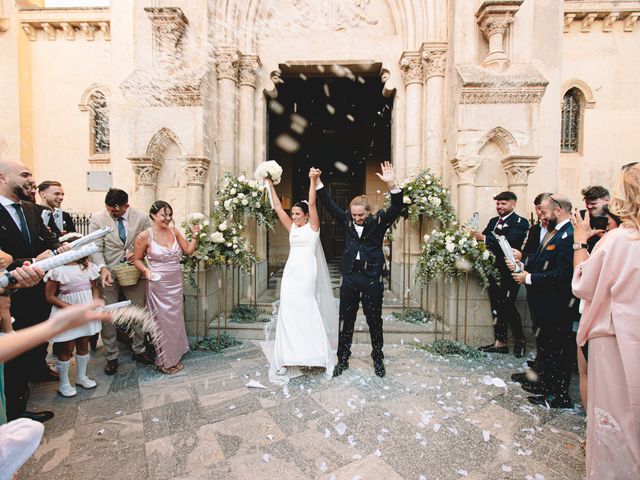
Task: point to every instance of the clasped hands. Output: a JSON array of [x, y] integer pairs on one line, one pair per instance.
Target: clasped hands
[[519, 277]]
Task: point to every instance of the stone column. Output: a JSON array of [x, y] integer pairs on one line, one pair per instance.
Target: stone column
[[518, 168], [466, 169], [196, 169], [227, 73], [494, 18], [249, 65], [411, 67], [434, 56], [146, 170]]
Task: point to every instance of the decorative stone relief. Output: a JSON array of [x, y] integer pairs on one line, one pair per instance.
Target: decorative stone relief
[[196, 169], [607, 11], [434, 56], [105, 28], [168, 26], [466, 168], [333, 15], [522, 84], [587, 21], [226, 61], [146, 170], [89, 30], [411, 67], [518, 168], [52, 22], [494, 18], [49, 30], [630, 21], [68, 30], [248, 70], [30, 31]]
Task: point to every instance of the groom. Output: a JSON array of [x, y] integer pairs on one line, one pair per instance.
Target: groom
[[362, 265]]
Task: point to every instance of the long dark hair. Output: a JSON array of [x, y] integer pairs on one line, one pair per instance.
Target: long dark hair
[[304, 206], [157, 206]]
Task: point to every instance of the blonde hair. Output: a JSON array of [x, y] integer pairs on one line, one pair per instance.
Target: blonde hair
[[360, 201], [626, 197]]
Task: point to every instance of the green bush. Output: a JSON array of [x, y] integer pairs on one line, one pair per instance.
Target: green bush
[[246, 314], [211, 343], [449, 347]]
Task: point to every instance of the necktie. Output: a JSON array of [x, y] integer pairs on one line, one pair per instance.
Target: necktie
[[23, 223], [122, 233], [547, 238]]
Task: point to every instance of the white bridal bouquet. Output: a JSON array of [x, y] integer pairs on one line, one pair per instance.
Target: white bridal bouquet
[[271, 170]]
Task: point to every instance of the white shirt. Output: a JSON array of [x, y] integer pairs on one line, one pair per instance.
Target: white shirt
[[543, 232], [527, 280], [125, 219], [8, 204], [57, 217]]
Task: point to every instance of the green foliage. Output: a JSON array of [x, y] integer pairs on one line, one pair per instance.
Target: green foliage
[[211, 343], [246, 314], [416, 315], [450, 347]]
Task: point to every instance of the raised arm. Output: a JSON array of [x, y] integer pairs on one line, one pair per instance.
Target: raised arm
[[314, 220], [285, 220], [187, 247]]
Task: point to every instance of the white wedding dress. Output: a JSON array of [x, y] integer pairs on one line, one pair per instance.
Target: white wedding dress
[[307, 321]]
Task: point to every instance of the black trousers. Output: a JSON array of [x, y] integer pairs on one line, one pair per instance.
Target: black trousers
[[557, 351], [357, 287], [504, 311]]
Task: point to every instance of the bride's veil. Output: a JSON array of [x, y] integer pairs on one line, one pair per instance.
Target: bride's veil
[[327, 303]]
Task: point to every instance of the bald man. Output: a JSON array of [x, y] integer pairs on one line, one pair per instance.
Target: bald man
[[24, 236]]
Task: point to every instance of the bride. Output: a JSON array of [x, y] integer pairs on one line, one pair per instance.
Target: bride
[[307, 323]]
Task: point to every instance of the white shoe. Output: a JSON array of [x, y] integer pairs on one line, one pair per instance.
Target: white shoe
[[281, 371], [67, 390], [86, 382]]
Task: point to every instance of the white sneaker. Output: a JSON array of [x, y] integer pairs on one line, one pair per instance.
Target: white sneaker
[[86, 382], [67, 390], [281, 371]]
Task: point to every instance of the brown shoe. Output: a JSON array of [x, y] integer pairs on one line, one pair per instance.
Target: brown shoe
[[143, 358], [111, 367]]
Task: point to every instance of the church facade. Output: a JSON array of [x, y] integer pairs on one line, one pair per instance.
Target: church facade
[[161, 98]]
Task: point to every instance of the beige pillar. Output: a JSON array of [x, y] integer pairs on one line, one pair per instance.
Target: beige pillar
[[494, 18], [249, 65], [434, 56], [466, 169], [196, 169], [227, 73], [411, 67], [146, 170], [518, 168]]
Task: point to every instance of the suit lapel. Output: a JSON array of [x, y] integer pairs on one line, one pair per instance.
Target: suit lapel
[[8, 224]]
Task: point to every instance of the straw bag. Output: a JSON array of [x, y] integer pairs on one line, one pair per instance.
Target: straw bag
[[126, 274]]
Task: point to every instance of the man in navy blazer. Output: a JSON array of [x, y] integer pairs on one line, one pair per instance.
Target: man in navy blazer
[[503, 296], [362, 266], [547, 274]]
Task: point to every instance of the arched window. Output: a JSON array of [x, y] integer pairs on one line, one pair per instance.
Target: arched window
[[99, 124], [571, 121]]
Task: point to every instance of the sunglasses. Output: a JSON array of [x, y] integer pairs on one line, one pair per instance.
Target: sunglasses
[[555, 201], [628, 165]]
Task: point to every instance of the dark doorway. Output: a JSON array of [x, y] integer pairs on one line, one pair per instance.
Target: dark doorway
[[341, 125]]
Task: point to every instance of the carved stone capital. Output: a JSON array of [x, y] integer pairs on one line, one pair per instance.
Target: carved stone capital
[[196, 169], [495, 26], [434, 56], [411, 67], [168, 26], [226, 60], [518, 168], [494, 18], [466, 169], [146, 170], [248, 70]]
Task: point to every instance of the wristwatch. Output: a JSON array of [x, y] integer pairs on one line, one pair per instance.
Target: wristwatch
[[579, 246]]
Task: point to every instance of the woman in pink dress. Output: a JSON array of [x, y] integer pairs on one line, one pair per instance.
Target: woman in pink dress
[[609, 282], [163, 245]]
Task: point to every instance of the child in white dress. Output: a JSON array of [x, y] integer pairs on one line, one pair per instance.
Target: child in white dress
[[73, 284]]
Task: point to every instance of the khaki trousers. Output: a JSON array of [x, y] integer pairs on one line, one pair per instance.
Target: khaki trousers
[[135, 293]]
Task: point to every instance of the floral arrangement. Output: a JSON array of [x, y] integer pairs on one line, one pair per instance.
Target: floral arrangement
[[423, 194], [240, 197], [452, 252], [271, 170]]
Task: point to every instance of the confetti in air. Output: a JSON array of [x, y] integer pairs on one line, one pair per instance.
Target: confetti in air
[[341, 167]]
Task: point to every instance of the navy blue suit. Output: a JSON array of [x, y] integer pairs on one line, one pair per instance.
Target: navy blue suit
[[503, 297], [554, 309], [362, 279]]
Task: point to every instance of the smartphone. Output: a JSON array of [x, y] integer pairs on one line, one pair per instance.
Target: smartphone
[[474, 223], [599, 223]]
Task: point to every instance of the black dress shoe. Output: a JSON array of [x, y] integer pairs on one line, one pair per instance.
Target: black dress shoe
[[519, 377], [519, 349], [38, 416], [552, 401], [47, 375], [494, 349], [143, 358], [532, 387], [378, 367], [531, 364], [340, 368], [111, 368]]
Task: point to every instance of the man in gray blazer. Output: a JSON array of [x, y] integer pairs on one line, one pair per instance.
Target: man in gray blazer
[[115, 248]]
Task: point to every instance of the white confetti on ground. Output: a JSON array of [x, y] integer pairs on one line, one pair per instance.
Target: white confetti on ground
[[486, 435], [464, 473], [255, 384], [341, 428], [266, 458], [506, 468]]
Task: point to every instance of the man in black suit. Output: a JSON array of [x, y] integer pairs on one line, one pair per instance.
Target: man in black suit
[[362, 266], [51, 195], [503, 296], [548, 274], [24, 236]]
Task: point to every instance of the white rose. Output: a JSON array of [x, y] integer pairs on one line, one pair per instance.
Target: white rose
[[258, 205], [254, 194], [450, 247], [406, 199], [241, 178], [236, 251], [245, 202], [240, 195], [253, 183], [228, 244], [436, 201], [485, 255], [232, 191], [227, 205], [235, 201], [223, 226], [217, 237]]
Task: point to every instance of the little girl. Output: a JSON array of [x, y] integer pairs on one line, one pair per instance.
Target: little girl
[[73, 284]]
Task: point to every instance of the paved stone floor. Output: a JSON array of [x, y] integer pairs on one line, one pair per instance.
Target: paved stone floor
[[430, 418]]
